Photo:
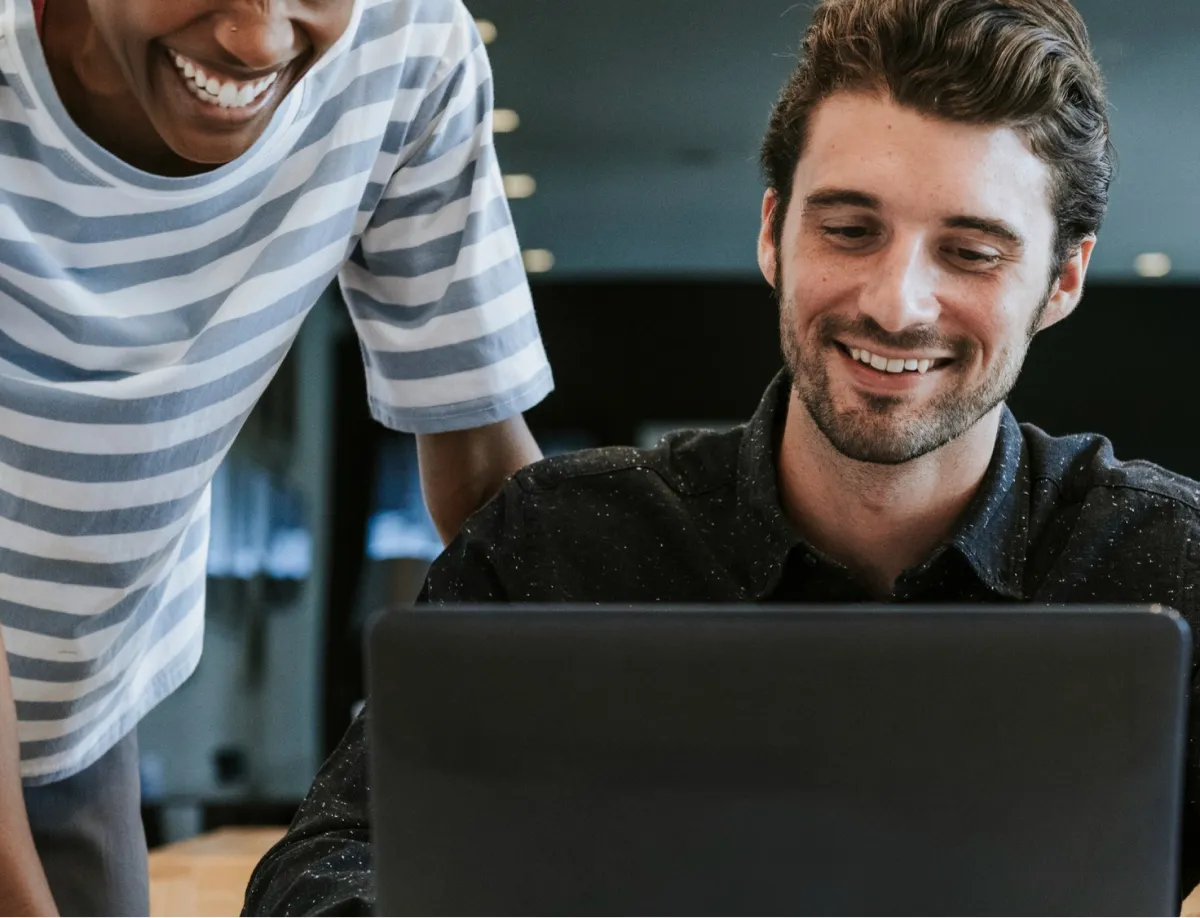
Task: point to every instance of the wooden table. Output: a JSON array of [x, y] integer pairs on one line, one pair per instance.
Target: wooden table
[[207, 875]]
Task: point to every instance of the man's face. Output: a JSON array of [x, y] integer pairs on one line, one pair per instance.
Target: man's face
[[248, 54], [914, 269]]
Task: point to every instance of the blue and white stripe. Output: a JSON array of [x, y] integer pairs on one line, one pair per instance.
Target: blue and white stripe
[[141, 318]]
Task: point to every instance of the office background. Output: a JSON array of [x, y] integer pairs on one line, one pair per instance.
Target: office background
[[628, 132]]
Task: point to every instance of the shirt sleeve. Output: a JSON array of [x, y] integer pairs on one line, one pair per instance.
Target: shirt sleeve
[[436, 286], [323, 865]]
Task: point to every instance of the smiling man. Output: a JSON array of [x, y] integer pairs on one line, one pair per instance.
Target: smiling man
[[182, 180], [937, 172]]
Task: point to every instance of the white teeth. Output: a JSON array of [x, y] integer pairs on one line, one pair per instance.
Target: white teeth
[[208, 87], [893, 364]]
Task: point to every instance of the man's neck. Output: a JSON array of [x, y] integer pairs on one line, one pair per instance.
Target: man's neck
[[878, 520]]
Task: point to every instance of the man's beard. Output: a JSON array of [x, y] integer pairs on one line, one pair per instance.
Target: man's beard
[[870, 433]]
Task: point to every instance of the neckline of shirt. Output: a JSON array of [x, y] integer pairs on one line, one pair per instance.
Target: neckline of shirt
[[25, 56]]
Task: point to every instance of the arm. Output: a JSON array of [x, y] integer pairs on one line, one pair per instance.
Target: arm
[[438, 295], [462, 470], [23, 886], [323, 866]]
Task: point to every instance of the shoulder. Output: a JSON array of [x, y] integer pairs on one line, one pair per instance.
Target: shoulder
[[1084, 468], [686, 462], [434, 29], [384, 16], [614, 523], [398, 50], [1112, 530], [592, 490]]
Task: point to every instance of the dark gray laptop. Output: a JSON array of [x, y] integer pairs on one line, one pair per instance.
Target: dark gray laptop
[[760, 760]]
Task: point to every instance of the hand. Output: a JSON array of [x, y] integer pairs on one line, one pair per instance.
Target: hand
[[23, 886]]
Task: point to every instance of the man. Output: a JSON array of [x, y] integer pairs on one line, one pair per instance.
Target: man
[[937, 172], [182, 180]]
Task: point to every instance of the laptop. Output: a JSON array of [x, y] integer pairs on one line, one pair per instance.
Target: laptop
[[899, 760]]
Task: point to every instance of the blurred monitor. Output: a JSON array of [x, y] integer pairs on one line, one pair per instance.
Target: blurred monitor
[[400, 525]]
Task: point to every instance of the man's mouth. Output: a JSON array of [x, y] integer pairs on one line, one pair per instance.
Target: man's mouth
[[217, 90], [894, 364]]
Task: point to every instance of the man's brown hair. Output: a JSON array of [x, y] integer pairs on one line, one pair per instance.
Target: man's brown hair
[[1025, 64]]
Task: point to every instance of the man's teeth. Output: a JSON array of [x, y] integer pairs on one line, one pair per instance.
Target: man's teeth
[[227, 94], [894, 365]]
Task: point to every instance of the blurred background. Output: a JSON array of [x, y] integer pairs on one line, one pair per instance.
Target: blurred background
[[628, 132]]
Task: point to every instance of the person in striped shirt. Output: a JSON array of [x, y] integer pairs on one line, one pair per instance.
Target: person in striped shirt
[[181, 180]]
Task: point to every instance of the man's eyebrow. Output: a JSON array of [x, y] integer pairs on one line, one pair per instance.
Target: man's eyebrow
[[825, 198], [996, 228]]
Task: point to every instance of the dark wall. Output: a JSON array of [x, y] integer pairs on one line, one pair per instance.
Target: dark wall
[[624, 353], [1127, 364], [627, 353], [1123, 365]]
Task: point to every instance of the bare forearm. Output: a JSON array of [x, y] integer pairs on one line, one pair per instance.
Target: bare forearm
[[23, 886], [462, 470]]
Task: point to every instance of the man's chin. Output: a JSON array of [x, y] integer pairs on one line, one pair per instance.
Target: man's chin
[[876, 450], [864, 436]]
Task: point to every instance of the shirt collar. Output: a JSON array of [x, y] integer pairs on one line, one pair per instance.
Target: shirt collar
[[767, 536], [992, 536]]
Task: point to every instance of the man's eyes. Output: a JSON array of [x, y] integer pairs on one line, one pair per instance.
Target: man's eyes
[[849, 232], [962, 255]]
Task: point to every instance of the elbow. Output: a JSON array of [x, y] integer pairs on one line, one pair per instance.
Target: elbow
[[326, 874]]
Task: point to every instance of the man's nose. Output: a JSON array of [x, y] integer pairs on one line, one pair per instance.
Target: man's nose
[[902, 292]]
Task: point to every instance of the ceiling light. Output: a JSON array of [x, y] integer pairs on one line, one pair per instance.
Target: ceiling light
[[537, 261], [487, 30], [1153, 264], [505, 121], [519, 186]]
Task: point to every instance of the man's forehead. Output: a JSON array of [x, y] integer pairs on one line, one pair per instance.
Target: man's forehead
[[906, 160]]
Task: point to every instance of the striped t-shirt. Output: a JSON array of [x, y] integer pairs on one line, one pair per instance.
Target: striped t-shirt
[[141, 317]]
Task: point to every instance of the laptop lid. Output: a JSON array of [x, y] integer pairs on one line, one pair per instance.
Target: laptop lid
[[771, 760]]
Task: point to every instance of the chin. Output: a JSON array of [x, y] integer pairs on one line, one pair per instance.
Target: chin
[[210, 152]]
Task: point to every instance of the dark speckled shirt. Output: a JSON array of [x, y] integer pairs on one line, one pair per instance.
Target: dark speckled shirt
[[1056, 520]]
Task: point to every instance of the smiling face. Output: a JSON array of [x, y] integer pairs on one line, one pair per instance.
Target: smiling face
[[209, 74], [913, 269]]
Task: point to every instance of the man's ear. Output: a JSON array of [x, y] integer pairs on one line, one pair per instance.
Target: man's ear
[[1068, 289], [767, 254]]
